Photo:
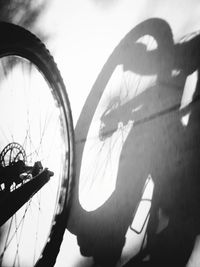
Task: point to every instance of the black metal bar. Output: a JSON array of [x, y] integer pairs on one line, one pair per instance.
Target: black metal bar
[[11, 202]]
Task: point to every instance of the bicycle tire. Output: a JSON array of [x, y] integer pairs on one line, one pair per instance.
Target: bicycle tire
[[161, 32], [15, 42], [105, 151]]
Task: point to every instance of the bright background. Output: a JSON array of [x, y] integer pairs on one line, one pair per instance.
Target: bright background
[[82, 35]]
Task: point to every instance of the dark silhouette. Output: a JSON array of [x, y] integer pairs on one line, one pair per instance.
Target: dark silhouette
[[158, 144]]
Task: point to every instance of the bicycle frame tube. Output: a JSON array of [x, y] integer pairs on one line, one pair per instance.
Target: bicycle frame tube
[[13, 201]]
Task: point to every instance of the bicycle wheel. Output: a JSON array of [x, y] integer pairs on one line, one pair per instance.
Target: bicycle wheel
[[107, 116], [105, 134], [36, 133]]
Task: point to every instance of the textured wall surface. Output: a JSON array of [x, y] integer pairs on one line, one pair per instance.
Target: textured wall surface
[[133, 84]]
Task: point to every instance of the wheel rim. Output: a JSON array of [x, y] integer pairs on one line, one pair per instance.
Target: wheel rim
[[108, 131], [32, 116], [105, 157]]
